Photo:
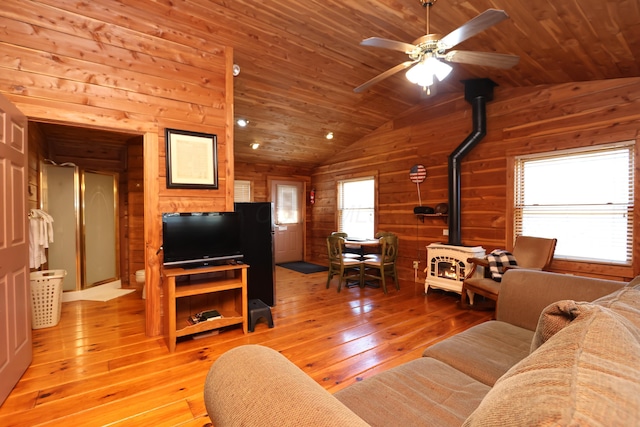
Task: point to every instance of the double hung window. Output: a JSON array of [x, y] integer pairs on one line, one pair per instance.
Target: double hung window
[[356, 207], [584, 198]]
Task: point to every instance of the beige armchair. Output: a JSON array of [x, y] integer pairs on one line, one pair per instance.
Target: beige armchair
[[533, 253]]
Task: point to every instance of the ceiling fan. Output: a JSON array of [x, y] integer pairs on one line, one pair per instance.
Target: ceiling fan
[[427, 53]]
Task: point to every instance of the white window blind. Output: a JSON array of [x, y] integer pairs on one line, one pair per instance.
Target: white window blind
[[584, 198], [287, 204], [356, 207], [241, 191]]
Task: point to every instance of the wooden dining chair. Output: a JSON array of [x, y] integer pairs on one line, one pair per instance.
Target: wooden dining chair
[[378, 235], [379, 267], [339, 265], [348, 252]]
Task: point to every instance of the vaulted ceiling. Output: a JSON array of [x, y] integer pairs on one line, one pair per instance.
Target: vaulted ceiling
[[301, 60]]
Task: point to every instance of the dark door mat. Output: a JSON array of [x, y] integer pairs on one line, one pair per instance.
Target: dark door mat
[[304, 267]]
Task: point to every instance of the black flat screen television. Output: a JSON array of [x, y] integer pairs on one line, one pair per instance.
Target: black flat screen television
[[199, 239]]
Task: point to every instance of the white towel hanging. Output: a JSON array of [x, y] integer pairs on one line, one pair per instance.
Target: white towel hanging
[[40, 235]]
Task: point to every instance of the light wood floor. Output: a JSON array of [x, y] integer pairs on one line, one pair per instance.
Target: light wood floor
[[97, 367]]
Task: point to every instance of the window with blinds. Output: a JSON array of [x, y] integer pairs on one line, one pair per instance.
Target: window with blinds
[[356, 207], [241, 191], [584, 198]]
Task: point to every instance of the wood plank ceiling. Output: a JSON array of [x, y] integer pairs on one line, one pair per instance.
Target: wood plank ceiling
[[301, 60]]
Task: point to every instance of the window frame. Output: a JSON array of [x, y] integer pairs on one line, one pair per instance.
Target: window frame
[[243, 182], [623, 268], [357, 177]]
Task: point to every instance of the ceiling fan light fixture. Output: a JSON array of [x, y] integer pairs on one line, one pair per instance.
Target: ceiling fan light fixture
[[424, 71]]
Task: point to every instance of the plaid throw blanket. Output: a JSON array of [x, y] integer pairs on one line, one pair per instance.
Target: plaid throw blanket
[[498, 259]]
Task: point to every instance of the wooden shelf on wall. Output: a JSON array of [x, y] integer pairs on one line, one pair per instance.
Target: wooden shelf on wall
[[433, 215]]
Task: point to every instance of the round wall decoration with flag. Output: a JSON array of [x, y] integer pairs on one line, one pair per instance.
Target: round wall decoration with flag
[[417, 174]]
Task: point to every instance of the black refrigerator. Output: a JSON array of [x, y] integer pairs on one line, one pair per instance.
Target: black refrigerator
[[258, 249]]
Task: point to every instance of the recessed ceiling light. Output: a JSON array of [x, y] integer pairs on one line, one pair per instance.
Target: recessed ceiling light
[[329, 135], [255, 145], [242, 122]]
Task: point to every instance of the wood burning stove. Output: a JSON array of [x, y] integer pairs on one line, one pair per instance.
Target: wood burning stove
[[447, 266]]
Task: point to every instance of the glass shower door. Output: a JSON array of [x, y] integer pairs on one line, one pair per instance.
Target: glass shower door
[[60, 199], [100, 228]]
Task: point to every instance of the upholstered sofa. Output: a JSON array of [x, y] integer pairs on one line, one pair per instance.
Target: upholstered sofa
[[551, 357]]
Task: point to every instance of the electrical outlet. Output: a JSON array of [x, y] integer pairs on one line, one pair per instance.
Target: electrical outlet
[[445, 231], [416, 264]]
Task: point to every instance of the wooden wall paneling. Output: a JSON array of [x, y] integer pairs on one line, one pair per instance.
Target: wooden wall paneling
[[152, 235], [135, 207], [109, 68], [229, 126], [259, 175], [316, 44], [123, 238], [186, 200], [519, 121], [37, 152]]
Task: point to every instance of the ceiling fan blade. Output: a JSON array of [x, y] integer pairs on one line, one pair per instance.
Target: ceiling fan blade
[[379, 77], [469, 29], [489, 59], [388, 44]]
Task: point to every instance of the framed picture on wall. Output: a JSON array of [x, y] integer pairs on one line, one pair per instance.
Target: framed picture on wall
[[192, 159]]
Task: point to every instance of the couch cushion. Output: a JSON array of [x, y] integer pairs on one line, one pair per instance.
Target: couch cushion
[[424, 391], [585, 374], [553, 319], [485, 351], [560, 314], [625, 302]]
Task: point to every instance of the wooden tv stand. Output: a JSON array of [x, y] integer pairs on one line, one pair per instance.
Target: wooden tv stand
[[190, 291]]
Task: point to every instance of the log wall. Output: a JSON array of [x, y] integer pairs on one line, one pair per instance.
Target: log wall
[[37, 152], [519, 121], [91, 64], [260, 174]]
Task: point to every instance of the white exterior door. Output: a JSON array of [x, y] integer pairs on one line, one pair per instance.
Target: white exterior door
[[288, 202], [15, 294]]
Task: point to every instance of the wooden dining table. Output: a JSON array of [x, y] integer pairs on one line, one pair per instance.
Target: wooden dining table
[[362, 245]]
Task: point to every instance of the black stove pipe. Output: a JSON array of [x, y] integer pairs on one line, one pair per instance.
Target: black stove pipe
[[477, 92]]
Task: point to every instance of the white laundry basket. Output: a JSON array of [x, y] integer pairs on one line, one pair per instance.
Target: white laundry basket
[[46, 297]]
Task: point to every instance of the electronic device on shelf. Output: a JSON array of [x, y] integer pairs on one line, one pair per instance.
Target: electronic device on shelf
[[200, 239]]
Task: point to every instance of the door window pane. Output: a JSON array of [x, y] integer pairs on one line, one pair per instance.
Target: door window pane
[[287, 204]]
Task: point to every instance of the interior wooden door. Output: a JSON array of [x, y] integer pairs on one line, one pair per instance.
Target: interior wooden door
[[15, 295]]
